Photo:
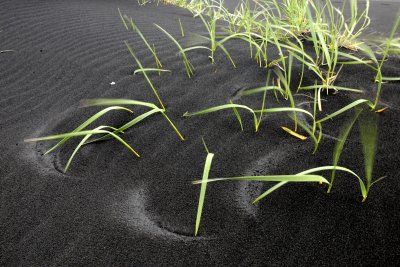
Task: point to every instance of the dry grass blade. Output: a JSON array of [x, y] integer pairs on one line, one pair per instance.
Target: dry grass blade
[[297, 135]]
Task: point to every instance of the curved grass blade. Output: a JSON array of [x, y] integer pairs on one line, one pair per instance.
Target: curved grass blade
[[313, 170], [297, 135], [115, 101], [155, 109], [339, 168], [126, 125], [188, 66], [195, 48], [340, 111], [149, 70], [222, 107], [81, 144], [88, 122], [83, 133], [285, 109], [226, 53]]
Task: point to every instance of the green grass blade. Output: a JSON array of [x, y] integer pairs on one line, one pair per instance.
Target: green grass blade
[[262, 107], [196, 48], [181, 27], [149, 70], [206, 171], [346, 128], [239, 118], [81, 144], [310, 133], [285, 109], [288, 93], [173, 126], [344, 109], [269, 191], [324, 86], [222, 107], [217, 108], [123, 20], [115, 101], [390, 79], [145, 75], [128, 124], [296, 178], [82, 133], [88, 122], [339, 168], [152, 49], [226, 53], [261, 90], [205, 145], [369, 138], [188, 66]]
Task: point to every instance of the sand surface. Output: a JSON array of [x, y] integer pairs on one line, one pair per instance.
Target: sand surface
[[114, 209]]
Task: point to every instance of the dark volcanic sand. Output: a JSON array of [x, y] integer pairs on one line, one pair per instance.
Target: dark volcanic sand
[[114, 209]]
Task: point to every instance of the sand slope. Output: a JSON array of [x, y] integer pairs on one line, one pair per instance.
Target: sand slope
[[114, 209]]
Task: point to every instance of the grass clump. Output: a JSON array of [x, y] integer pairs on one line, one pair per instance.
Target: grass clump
[[368, 128], [105, 132], [307, 176]]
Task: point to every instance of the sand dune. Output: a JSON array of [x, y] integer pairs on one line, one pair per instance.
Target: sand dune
[[114, 209]]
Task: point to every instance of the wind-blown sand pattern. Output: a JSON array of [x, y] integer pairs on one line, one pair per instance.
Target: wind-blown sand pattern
[[113, 209]]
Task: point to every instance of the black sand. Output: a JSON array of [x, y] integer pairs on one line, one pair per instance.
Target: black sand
[[114, 209]]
